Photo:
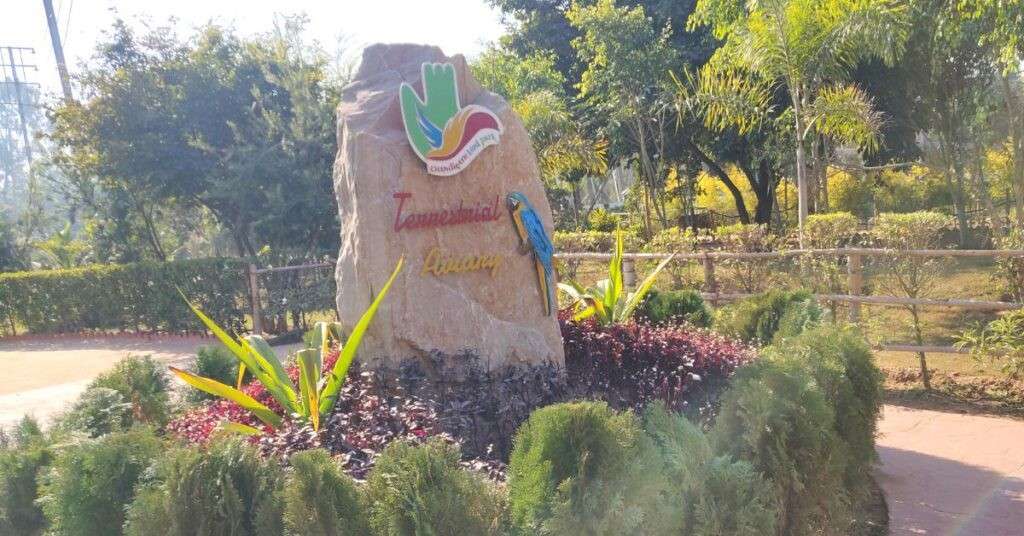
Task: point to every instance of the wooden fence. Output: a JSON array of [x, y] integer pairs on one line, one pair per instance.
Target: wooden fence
[[854, 296]]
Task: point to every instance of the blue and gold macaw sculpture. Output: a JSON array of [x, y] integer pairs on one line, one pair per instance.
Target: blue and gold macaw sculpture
[[532, 237]]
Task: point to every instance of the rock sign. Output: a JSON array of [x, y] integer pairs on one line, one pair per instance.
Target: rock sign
[[432, 167]]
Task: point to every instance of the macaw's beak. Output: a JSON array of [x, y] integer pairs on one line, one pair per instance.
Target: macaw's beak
[[512, 203]]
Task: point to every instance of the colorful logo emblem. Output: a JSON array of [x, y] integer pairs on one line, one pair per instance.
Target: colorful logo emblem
[[446, 136]]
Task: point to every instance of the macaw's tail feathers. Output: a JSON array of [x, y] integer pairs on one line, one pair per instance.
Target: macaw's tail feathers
[[547, 287]]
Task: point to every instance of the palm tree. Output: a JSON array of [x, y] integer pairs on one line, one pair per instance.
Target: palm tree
[[806, 50]]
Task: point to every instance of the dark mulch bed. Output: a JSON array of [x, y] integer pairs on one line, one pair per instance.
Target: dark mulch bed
[[628, 366]]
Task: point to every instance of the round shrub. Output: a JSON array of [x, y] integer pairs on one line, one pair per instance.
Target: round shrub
[[22, 462], [841, 363], [92, 481], [774, 314], [143, 383], [420, 489], [225, 490], [582, 468], [674, 307], [321, 500], [217, 363], [776, 418], [98, 411]]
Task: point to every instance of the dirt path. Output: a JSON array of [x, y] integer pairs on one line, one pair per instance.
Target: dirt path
[[951, 473], [43, 377]]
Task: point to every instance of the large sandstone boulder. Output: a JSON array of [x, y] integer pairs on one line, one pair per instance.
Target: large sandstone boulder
[[494, 308]]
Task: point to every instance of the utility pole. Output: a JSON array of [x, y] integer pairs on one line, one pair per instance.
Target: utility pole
[[58, 50], [19, 101]]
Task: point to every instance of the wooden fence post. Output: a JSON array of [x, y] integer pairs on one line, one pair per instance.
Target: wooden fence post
[[710, 284], [628, 273], [254, 300], [854, 269]]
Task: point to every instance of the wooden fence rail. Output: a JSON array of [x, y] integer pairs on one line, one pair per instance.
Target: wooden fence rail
[[855, 278]]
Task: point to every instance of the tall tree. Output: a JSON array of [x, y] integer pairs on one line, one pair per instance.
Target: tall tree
[[240, 128], [628, 61], [806, 49]]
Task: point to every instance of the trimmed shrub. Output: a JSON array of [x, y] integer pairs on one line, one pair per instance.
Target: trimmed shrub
[[715, 495], [321, 500], [674, 307], [225, 490], [92, 481], [747, 275], [593, 241], [775, 417], [98, 411], [733, 499], [141, 296], [22, 462], [421, 489], [841, 363], [143, 383], [774, 314], [582, 468]]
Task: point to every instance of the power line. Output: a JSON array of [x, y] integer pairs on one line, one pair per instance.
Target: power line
[[67, 22], [19, 81]]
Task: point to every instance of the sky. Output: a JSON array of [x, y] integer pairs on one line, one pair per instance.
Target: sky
[[457, 26]]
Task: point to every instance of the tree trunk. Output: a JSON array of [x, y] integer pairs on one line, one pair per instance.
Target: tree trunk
[[959, 200], [986, 199], [1015, 119], [801, 173], [716, 169], [925, 377]]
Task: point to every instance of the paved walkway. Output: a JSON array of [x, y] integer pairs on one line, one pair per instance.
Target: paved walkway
[[42, 377], [951, 473]]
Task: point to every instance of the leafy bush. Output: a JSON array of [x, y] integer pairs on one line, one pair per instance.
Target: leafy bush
[[92, 481], [715, 495], [908, 275], [631, 365], [747, 275], [421, 489], [225, 490], [842, 365], [143, 383], [98, 411], [22, 463], [320, 500], [609, 302], [581, 468], [592, 241], [774, 314], [676, 240], [1000, 341], [674, 307], [775, 417], [217, 363], [137, 297], [1011, 269], [602, 221]]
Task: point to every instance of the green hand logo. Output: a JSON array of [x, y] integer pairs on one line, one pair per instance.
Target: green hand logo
[[425, 119]]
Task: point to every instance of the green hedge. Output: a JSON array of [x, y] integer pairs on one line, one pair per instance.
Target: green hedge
[[128, 297]]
